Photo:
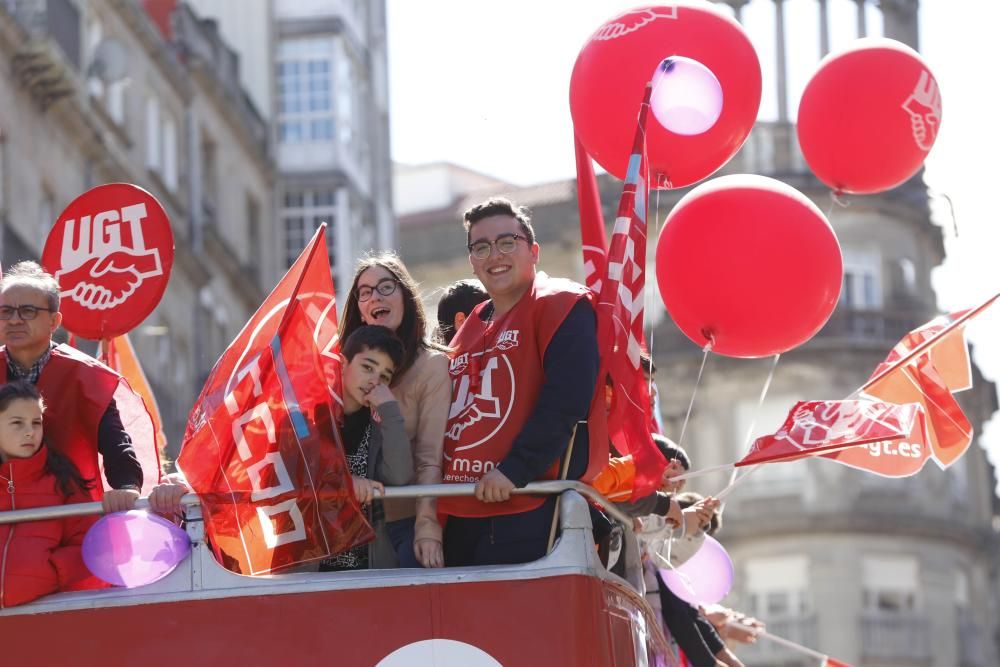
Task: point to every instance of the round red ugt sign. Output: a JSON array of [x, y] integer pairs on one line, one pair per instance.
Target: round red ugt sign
[[111, 251]]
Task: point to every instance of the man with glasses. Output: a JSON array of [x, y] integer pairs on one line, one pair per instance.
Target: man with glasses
[[524, 372], [81, 415]]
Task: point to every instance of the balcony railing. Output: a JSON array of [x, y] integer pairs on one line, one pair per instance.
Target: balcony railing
[[846, 327], [48, 61], [895, 637], [58, 19], [801, 630], [201, 41], [869, 326], [772, 149], [971, 645]]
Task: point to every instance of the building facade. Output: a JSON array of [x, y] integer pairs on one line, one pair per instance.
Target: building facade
[[121, 91], [320, 74], [876, 572]]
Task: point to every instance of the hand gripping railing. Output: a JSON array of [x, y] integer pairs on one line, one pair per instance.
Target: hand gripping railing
[[415, 491]]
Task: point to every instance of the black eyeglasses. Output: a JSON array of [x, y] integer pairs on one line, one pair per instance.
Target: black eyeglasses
[[385, 287], [505, 243], [25, 312]]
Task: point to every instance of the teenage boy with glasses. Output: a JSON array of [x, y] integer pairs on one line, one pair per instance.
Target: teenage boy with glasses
[[524, 372]]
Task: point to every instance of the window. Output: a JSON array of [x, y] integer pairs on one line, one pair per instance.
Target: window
[[862, 288], [170, 153], [253, 232], [777, 587], [305, 90], [774, 478], [889, 583], [907, 276], [153, 134], [46, 214], [112, 94], [302, 213]]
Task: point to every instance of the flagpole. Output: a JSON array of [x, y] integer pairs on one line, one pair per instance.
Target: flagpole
[[920, 349], [787, 643]]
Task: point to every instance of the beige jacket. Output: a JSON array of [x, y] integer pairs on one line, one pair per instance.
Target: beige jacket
[[424, 395]]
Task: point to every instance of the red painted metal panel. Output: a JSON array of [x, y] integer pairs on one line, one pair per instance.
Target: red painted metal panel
[[566, 620]]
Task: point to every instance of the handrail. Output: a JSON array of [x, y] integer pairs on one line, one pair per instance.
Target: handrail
[[416, 491]]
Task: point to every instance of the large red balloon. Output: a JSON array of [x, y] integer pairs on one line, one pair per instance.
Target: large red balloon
[[615, 65], [869, 116], [750, 264]]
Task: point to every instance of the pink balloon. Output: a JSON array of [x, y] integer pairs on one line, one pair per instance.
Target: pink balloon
[[687, 97], [705, 578], [134, 548]]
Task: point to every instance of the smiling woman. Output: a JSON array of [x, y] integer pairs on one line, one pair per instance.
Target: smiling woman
[[383, 293]]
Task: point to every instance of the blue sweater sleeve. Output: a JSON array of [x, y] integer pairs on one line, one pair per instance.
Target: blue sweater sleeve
[[571, 365]]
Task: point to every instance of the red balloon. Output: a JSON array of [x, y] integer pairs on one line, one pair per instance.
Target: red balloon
[[111, 251], [750, 264], [869, 116], [612, 71]]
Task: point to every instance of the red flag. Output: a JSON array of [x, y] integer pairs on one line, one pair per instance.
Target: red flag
[[592, 235], [275, 490], [296, 325], [620, 320], [925, 367], [309, 283], [830, 662], [819, 427]]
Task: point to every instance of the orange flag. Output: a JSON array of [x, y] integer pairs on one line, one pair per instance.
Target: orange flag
[[122, 358], [926, 367]]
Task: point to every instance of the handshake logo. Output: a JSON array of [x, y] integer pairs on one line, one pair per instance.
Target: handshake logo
[[631, 21], [924, 107], [104, 258]]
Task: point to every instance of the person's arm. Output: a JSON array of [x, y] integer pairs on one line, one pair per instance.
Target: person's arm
[[681, 620], [121, 465], [655, 503], [571, 365], [395, 466], [428, 446]]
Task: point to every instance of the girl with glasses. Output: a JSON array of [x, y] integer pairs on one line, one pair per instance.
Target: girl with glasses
[[383, 293]]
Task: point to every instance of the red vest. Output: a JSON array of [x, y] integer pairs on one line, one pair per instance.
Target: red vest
[[496, 372], [77, 390]]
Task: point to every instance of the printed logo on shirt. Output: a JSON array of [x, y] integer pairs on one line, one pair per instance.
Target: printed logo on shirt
[[482, 404]]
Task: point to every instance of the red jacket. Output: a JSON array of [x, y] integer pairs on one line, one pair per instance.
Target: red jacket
[[39, 557]]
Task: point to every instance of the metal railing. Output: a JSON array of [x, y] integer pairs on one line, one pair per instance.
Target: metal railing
[[895, 636], [416, 491]]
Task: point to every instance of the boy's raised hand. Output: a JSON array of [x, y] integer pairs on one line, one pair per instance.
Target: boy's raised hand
[[378, 395]]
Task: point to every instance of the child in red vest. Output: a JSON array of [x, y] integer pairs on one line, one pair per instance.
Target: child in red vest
[[37, 557]]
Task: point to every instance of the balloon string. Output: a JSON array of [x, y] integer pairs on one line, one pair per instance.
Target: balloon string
[[694, 393], [836, 199], [756, 413], [733, 481]]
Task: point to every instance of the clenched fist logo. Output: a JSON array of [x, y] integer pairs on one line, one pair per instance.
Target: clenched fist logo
[[631, 21], [924, 107], [105, 282]]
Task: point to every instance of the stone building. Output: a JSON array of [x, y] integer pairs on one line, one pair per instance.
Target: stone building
[[115, 90], [320, 75], [876, 572]]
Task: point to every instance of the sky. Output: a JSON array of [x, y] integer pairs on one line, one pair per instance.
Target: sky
[[486, 85]]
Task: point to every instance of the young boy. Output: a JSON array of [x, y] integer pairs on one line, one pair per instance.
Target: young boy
[[375, 442]]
